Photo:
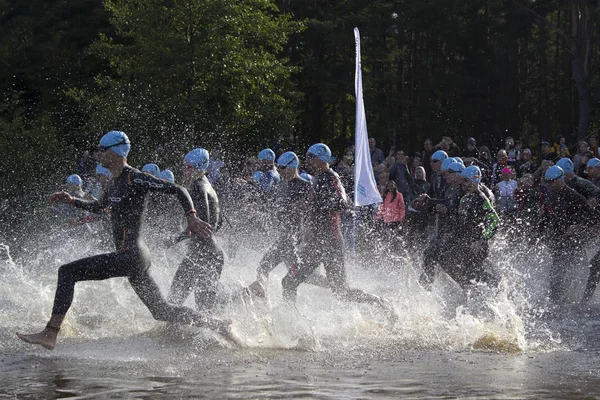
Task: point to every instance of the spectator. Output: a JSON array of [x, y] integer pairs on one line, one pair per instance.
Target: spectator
[[505, 191], [345, 169], [501, 162], [546, 152], [448, 146], [426, 155], [582, 148], [485, 156], [382, 179], [471, 151], [417, 161], [560, 147], [594, 145], [400, 174], [518, 148], [392, 211], [377, 156], [511, 153], [420, 185], [526, 165], [582, 171]]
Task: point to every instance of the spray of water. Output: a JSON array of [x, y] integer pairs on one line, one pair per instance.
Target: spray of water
[[511, 318]]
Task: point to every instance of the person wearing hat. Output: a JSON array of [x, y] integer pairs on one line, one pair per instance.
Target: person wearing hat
[[438, 183], [546, 152], [292, 207], [324, 237], [564, 218], [125, 198], [476, 223], [593, 170], [471, 151], [266, 165], [201, 268], [151, 169], [70, 214], [446, 210]]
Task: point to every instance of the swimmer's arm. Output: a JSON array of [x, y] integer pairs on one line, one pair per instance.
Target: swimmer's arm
[[149, 183], [95, 206], [491, 220]]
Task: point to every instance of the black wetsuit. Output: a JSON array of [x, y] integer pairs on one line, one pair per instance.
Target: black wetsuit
[[291, 208], [201, 269], [438, 248], [124, 198], [584, 187], [476, 222], [563, 210], [325, 244]]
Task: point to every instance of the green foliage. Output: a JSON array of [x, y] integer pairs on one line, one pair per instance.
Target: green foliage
[[195, 71]]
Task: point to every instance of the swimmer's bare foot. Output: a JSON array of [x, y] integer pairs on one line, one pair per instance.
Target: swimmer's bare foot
[[46, 338], [226, 332]]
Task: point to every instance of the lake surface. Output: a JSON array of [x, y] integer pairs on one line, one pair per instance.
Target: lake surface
[[507, 344]]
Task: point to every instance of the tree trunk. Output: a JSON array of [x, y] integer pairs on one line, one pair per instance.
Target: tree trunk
[[581, 60]]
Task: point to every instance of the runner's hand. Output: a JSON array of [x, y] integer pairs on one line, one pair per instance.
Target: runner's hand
[[197, 226], [60, 197]]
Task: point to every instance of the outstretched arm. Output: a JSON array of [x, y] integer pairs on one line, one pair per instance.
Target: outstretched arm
[[94, 206], [149, 183]]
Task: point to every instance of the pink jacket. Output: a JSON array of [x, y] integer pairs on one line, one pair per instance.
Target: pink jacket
[[392, 211]]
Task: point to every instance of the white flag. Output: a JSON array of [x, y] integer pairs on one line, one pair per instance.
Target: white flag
[[365, 187]]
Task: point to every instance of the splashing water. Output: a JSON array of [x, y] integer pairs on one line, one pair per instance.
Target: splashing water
[[508, 319]]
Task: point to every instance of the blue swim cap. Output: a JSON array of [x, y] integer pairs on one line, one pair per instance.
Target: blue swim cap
[[439, 155], [320, 151], [116, 141], [152, 169], [554, 173], [257, 176], [567, 165], [198, 158], [459, 160], [472, 173], [446, 163], [167, 176], [266, 154], [100, 170], [594, 162], [306, 177], [288, 159], [74, 180], [456, 167]]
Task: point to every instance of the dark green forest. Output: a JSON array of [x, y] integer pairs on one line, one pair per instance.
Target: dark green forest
[[236, 75]]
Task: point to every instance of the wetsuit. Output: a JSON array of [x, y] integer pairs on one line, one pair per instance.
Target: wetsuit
[[584, 187], [269, 179], [201, 268], [124, 198], [325, 244], [562, 210], [439, 247], [291, 205], [476, 222]]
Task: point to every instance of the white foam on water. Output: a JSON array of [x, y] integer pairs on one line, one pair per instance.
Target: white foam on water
[[444, 318]]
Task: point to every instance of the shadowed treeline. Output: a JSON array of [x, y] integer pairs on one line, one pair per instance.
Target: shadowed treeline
[[237, 76]]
